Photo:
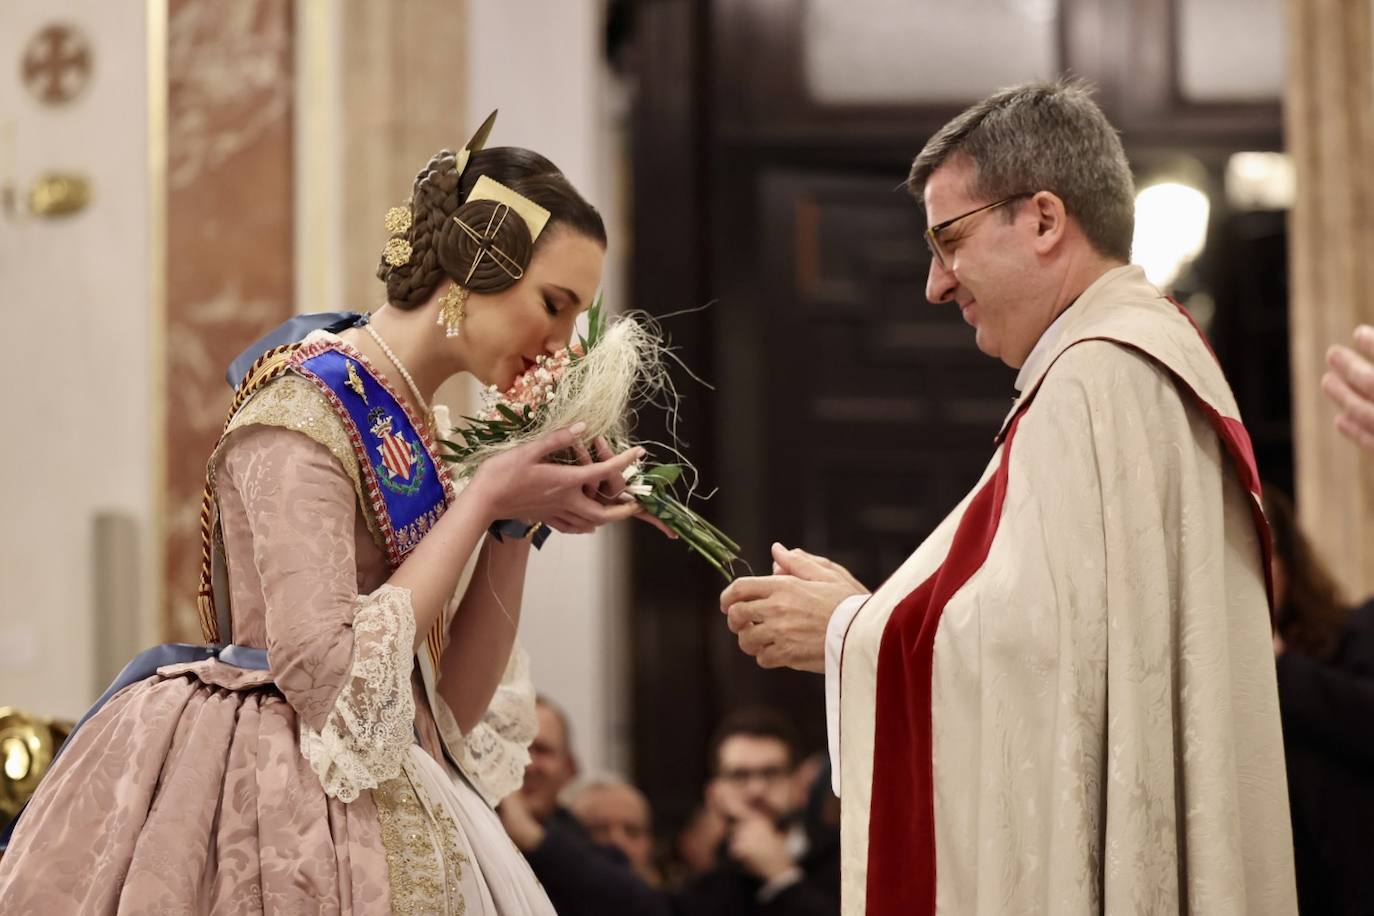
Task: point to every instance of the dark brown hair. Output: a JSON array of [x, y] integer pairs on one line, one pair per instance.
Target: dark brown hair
[[1313, 613], [1043, 137], [439, 192], [756, 722]]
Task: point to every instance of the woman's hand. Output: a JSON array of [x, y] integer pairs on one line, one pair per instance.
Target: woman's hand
[[612, 490], [523, 484]]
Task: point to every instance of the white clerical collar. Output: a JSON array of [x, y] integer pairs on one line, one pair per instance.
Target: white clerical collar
[[1042, 350]]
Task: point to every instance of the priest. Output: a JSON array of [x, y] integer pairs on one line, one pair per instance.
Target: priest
[[1063, 702]]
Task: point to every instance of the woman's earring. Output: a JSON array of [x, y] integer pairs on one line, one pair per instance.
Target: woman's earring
[[452, 310]]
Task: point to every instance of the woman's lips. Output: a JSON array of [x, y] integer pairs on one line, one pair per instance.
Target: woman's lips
[[967, 310]]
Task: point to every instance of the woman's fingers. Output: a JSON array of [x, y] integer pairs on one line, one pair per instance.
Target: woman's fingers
[[568, 525], [611, 487], [558, 440], [611, 468], [588, 515], [603, 514], [584, 457], [646, 516], [580, 450]]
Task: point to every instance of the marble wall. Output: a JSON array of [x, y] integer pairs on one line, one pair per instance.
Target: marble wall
[[229, 240], [78, 471], [1329, 126], [561, 101]]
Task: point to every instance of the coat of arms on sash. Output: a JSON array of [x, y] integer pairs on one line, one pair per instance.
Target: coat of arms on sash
[[399, 458]]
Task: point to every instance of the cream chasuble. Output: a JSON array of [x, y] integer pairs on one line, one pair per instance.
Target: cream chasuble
[[1064, 701]]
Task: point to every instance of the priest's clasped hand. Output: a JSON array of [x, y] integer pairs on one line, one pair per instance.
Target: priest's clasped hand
[[781, 619]]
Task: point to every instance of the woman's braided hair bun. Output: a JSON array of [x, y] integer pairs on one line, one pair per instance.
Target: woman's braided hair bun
[[440, 248], [491, 236], [435, 194]]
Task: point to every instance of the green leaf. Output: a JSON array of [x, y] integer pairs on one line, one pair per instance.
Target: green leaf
[[665, 473], [595, 325]]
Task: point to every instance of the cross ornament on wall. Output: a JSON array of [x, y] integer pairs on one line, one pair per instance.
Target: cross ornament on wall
[[57, 64]]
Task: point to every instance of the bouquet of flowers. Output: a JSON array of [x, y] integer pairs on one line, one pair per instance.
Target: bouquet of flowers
[[597, 381]]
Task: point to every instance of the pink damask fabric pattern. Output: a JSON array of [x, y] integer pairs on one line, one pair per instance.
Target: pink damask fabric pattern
[[188, 792]]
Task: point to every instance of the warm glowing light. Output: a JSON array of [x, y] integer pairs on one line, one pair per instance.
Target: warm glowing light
[[1170, 230], [17, 759], [1260, 181]]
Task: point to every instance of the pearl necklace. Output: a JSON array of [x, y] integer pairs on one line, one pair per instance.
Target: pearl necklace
[[400, 367]]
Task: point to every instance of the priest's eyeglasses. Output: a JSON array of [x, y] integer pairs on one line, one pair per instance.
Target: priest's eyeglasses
[[936, 245]]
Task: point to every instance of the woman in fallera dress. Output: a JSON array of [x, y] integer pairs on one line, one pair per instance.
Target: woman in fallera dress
[[345, 754]]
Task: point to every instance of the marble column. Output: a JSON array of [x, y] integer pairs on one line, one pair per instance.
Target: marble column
[[229, 241], [1329, 126]]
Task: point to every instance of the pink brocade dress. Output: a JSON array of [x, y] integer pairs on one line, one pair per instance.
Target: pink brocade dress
[[331, 784]]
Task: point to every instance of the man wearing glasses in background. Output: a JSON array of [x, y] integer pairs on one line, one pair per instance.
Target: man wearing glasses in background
[[1064, 701], [772, 861]]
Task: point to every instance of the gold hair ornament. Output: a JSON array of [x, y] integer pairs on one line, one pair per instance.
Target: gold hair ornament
[[453, 309]]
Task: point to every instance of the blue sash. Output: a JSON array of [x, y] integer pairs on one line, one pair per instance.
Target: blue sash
[[404, 483], [144, 666]]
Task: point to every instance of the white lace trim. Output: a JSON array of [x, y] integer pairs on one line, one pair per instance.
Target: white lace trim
[[495, 753], [368, 733]]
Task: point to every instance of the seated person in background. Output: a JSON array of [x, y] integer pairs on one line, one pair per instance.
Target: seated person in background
[[1326, 697], [1350, 386], [769, 861], [579, 875], [615, 813]]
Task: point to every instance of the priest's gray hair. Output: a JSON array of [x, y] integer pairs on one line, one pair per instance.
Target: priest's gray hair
[[1043, 136]]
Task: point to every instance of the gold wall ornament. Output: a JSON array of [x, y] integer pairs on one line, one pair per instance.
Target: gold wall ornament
[[452, 310], [57, 64], [396, 252], [27, 745], [59, 194]]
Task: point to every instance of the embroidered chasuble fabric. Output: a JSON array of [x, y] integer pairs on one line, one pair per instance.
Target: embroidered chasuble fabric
[[1064, 701], [325, 785]]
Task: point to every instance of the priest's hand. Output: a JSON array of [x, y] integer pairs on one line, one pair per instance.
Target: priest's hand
[[1350, 386], [781, 619]]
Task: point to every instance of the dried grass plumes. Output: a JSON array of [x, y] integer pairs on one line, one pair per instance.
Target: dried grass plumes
[[626, 367]]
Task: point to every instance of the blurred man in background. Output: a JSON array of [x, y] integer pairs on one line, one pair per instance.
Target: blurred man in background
[[580, 875], [769, 862], [615, 813]]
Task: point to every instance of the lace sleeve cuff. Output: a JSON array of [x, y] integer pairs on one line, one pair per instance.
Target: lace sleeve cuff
[[495, 752], [367, 734]]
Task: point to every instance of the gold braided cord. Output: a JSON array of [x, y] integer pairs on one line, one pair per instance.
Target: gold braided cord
[[435, 644]]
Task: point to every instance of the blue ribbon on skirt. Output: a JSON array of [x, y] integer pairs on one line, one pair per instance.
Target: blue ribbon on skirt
[[144, 666]]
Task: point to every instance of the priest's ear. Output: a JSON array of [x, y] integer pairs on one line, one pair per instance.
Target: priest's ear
[[1051, 221]]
